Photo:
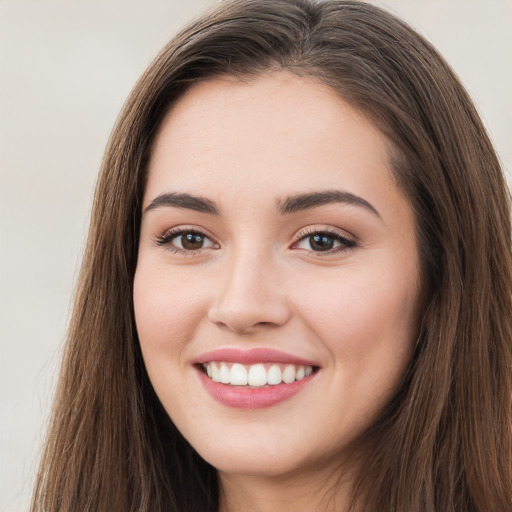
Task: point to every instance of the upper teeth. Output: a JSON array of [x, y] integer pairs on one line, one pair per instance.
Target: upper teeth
[[255, 375]]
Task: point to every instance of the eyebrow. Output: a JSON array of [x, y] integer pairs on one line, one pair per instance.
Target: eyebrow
[[183, 200], [313, 199], [291, 204]]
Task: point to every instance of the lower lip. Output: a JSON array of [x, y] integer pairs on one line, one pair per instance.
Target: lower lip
[[252, 398]]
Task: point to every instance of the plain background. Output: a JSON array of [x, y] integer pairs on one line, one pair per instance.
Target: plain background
[[66, 68]]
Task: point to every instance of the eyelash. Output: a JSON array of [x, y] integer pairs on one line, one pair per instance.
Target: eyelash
[[346, 243], [166, 238]]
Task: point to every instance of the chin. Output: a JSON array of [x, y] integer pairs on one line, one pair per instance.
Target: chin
[[267, 464], [267, 451]]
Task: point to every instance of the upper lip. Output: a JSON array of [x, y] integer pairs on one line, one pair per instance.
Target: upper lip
[[252, 356]]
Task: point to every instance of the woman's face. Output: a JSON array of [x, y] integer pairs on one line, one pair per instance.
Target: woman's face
[[275, 249]]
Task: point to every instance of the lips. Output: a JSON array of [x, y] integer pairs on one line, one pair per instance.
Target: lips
[[253, 378]]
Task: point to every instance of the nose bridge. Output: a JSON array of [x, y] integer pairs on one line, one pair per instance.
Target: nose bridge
[[249, 294]]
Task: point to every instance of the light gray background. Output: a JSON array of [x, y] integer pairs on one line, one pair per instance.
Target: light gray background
[[66, 67]]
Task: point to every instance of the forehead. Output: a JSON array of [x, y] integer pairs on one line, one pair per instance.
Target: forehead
[[278, 131]]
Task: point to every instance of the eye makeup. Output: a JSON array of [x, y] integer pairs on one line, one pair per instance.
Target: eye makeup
[[323, 240], [185, 240], [320, 241]]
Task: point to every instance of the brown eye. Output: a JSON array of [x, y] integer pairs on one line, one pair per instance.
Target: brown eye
[[321, 242], [324, 242], [190, 241]]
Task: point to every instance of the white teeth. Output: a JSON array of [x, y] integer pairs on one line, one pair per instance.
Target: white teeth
[[224, 374], [215, 373], [255, 375], [289, 374], [274, 375], [238, 375]]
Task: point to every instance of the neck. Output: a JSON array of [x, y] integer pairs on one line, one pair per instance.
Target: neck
[[315, 492]]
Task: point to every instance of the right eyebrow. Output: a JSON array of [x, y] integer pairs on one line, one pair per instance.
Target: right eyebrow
[[183, 200]]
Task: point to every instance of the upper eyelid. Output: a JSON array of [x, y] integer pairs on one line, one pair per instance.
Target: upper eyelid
[[176, 230], [346, 240], [304, 232], [311, 230], [168, 235]]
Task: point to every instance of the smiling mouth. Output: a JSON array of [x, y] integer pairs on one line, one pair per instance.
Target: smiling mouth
[[255, 375]]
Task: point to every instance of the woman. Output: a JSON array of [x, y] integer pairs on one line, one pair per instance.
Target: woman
[[296, 289]]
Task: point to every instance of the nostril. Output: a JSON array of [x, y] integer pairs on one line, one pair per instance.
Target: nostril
[[245, 302], [242, 325]]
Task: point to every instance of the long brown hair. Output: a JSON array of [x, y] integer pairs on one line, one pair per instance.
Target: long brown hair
[[444, 443]]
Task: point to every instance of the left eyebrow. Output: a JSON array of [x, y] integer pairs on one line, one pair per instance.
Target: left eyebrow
[[314, 199]]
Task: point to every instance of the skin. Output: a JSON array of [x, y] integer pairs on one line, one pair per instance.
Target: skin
[[257, 282]]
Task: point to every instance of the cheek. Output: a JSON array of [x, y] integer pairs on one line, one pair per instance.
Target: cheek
[[367, 320], [364, 302], [167, 313]]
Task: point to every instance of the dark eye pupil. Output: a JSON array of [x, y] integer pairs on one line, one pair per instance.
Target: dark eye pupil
[[321, 242], [192, 241]]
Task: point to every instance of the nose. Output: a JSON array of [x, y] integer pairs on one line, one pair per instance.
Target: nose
[[250, 296]]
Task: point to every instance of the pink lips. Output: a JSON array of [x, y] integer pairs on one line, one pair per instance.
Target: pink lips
[[253, 356], [252, 398]]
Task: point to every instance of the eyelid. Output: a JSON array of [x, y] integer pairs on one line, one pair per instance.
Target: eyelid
[[319, 228], [347, 240], [164, 239]]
